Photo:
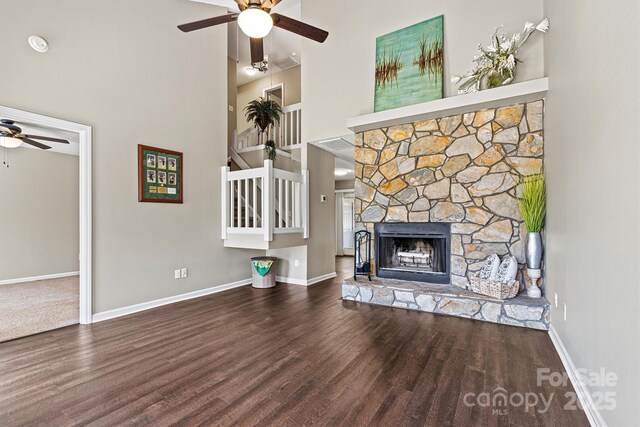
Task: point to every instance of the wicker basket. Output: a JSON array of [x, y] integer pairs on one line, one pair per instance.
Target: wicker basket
[[492, 288], [269, 279]]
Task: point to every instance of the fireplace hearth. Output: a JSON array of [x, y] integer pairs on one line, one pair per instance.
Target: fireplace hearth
[[413, 251]]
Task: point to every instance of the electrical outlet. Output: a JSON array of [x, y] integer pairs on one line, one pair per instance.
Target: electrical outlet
[[296, 263], [231, 108], [323, 198], [556, 299], [177, 274], [565, 311], [185, 273]]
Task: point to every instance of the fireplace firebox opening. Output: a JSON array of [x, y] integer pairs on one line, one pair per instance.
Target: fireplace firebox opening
[[413, 251]]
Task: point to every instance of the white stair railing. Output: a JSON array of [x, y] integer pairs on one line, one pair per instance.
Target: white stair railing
[[286, 134], [249, 200], [247, 139], [290, 128]]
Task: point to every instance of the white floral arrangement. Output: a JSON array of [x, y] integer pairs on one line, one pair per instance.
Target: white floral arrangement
[[496, 64]]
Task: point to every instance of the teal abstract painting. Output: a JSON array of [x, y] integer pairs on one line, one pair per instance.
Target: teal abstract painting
[[409, 65]]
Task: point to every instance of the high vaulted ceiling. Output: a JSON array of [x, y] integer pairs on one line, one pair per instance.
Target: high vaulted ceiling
[[279, 44]]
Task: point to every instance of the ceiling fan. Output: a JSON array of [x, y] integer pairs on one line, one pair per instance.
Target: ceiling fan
[[256, 21], [11, 136]]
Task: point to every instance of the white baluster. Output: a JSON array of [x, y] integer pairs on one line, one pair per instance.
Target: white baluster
[[246, 203], [255, 203]]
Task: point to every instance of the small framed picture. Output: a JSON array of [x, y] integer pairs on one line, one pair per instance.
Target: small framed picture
[[159, 175], [162, 162], [151, 161]]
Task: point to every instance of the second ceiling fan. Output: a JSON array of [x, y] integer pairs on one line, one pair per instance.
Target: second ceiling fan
[[256, 21]]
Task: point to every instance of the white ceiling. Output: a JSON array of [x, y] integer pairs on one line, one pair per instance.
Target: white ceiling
[[279, 44], [344, 151], [72, 148]]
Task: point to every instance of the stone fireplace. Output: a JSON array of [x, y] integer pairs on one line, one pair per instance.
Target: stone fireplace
[[460, 170], [413, 251], [438, 197]]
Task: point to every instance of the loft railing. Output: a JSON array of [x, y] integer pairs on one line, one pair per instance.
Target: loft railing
[[286, 134], [264, 201]]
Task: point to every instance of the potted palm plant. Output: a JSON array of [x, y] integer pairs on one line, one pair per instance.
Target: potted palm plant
[[533, 206], [264, 113]]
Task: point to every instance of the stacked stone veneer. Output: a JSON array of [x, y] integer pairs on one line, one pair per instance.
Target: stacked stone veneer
[[462, 169], [521, 311]]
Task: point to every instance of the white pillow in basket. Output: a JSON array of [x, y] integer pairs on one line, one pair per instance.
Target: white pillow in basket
[[507, 270], [490, 267]]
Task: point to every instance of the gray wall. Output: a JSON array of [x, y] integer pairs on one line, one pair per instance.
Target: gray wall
[[39, 205], [287, 262], [124, 68], [338, 75], [318, 257], [592, 142], [321, 247]]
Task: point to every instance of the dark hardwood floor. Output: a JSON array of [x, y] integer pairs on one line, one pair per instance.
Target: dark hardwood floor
[[287, 356]]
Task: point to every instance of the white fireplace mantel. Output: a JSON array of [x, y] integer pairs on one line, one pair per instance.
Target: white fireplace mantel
[[506, 95]]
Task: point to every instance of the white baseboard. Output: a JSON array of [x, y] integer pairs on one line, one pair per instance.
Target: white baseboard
[[321, 278], [123, 311], [291, 280], [595, 419], [305, 282], [35, 278]]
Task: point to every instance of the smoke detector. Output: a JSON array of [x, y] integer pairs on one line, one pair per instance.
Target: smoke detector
[[38, 44]]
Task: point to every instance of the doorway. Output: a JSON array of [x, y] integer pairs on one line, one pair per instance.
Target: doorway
[[275, 93], [345, 222], [82, 135]]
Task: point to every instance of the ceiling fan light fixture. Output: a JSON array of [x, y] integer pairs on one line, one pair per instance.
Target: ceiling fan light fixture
[[255, 22], [250, 71], [9, 142]]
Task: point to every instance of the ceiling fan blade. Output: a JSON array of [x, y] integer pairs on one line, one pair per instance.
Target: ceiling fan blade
[[299, 28], [34, 143], [205, 23], [47, 138], [257, 50]]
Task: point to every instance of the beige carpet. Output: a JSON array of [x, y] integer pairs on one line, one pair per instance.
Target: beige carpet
[[34, 307]]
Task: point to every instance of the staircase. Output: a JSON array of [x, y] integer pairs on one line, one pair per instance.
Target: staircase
[[286, 135], [264, 208]]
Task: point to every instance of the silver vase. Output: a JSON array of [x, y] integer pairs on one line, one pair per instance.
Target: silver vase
[[534, 250]]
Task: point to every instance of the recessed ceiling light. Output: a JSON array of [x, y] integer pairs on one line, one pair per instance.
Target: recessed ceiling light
[[38, 44], [342, 172], [250, 71], [293, 54]]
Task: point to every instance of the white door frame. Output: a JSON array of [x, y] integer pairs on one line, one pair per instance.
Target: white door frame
[[273, 88], [84, 136], [339, 233]]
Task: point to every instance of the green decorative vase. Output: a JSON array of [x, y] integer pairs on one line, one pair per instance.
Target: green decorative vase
[[494, 79]]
